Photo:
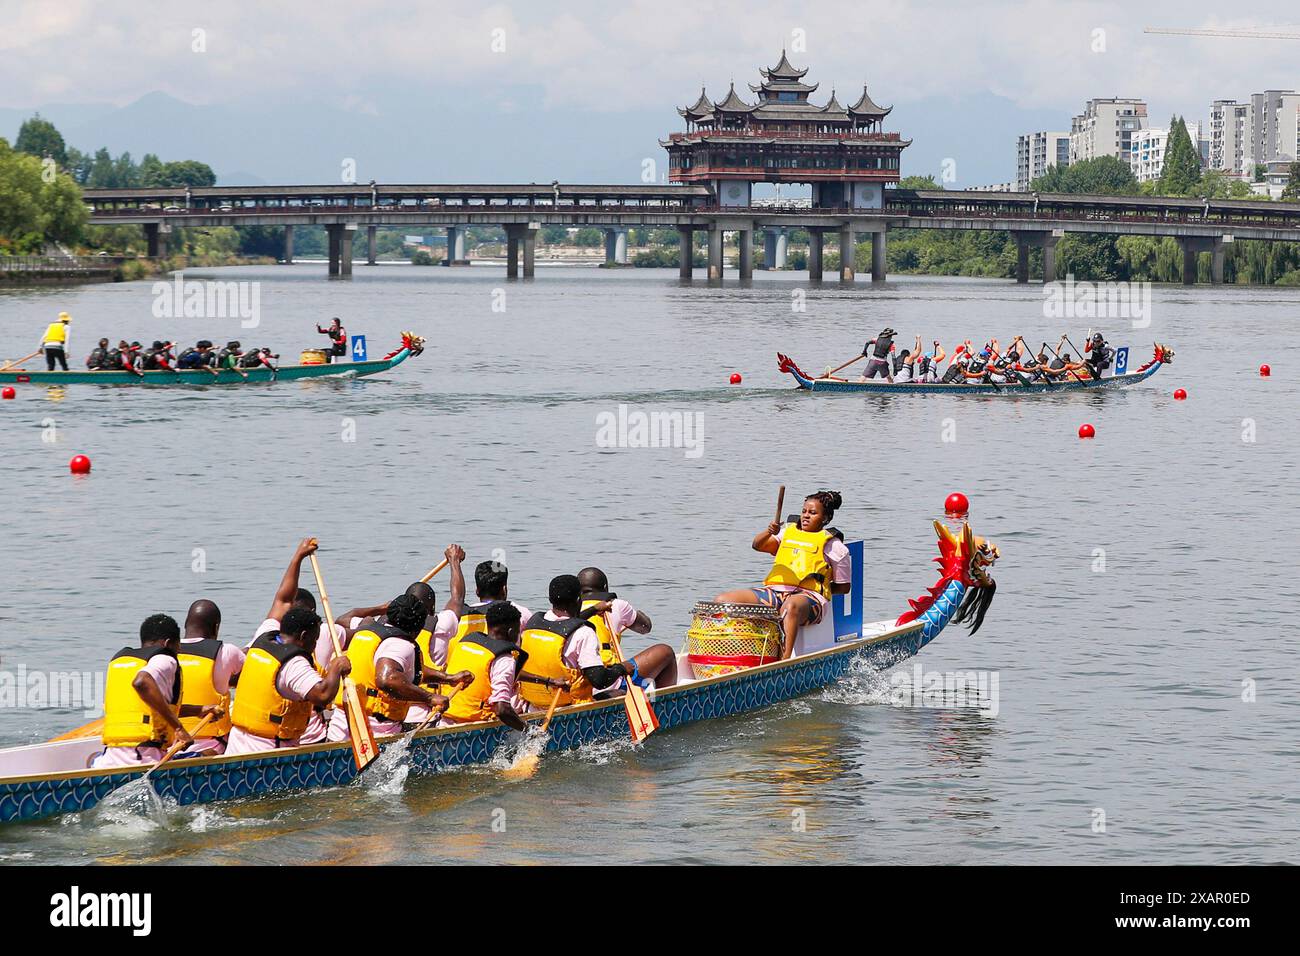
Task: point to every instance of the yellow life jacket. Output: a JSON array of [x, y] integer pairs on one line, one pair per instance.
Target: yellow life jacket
[[801, 561], [361, 652], [259, 707], [473, 620], [128, 720], [608, 654], [476, 653], [544, 642], [198, 659], [57, 332]]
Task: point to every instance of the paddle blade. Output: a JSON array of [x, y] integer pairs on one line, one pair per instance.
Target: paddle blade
[[523, 768], [641, 717], [364, 749]]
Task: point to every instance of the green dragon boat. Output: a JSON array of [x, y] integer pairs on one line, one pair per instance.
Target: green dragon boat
[[411, 345]]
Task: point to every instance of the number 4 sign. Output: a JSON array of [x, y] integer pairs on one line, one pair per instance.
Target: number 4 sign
[[358, 348]]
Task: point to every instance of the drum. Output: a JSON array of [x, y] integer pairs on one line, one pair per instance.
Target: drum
[[729, 637], [314, 357]]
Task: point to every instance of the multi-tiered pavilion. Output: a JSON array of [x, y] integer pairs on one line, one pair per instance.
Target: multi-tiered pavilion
[[841, 151]]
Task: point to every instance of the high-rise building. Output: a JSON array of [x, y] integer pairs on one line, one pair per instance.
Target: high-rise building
[[1231, 137], [1147, 156], [1273, 116], [1035, 152], [1106, 127]]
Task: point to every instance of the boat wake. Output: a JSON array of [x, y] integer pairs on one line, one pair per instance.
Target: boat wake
[[865, 683], [136, 809]]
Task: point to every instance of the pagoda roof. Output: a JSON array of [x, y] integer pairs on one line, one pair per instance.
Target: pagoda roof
[[783, 71], [793, 86], [701, 107], [733, 103], [865, 106]]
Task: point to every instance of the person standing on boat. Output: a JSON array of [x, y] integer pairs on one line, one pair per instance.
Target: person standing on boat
[[142, 698], [809, 565], [209, 667], [1099, 355], [280, 688], [338, 338], [493, 661], [55, 342], [610, 616], [389, 668], [878, 352]]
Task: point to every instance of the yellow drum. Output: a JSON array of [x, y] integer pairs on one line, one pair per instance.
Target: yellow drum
[[314, 357], [729, 637]]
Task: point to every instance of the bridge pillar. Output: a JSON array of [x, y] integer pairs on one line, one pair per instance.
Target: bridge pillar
[[287, 259], [1193, 246], [816, 239], [346, 233], [848, 243], [512, 252], [1049, 258], [746, 243], [372, 249], [521, 237], [1046, 241], [1217, 256], [153, 239], [715, 252], [782, 248], [878, 256], [530, 251], [615, 246], [332, 234], [455, 246], [685, 251], [769, 248], [1022, 261]]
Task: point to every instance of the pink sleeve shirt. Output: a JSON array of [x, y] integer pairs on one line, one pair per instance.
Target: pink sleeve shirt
[[296, 679], [837, 556], [229, 662], [583, 648], [162, 668], [501, 676], [400, 650], [444, 630]]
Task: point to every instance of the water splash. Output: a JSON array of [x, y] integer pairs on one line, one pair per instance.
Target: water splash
[[386, 777], [135, 806]]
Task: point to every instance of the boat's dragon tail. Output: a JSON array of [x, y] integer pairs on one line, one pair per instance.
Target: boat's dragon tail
[[788, 367], [964, 591]]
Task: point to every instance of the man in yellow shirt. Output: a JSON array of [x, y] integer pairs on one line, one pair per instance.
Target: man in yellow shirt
[[55, 342]]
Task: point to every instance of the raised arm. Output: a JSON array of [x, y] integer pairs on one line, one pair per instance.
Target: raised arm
[[455, 554], [288, 589]]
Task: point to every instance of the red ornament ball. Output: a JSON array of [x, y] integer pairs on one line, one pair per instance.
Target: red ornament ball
[[8, 392], [735, 378], [1087, 431], [957, 504], [1265, 371], [80, 465], [1180, 394]]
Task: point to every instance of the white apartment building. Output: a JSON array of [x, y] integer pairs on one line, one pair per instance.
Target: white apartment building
[[1147, 153], [1274, 133], [1035, 152], [1231, 137], [1106, 127]]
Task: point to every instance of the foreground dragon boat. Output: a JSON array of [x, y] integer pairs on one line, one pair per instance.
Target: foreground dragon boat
[[47, 779], [411, 345], [1163, 356]]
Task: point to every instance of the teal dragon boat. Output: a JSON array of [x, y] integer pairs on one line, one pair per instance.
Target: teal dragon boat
[[411, 345], [45, 780]]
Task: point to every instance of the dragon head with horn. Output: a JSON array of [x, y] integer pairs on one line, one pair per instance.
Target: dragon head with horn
[[967, 558]]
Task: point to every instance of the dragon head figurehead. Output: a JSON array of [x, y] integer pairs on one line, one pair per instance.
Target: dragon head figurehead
[[412, 342], [1164, 354], [964, 557]]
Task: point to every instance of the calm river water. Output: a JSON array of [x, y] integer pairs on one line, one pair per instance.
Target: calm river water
[[1148, 686]]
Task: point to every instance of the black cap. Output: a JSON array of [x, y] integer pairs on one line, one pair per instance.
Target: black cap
[[157, 344]]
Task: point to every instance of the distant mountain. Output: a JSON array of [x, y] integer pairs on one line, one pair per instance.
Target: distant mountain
[[492, 136]]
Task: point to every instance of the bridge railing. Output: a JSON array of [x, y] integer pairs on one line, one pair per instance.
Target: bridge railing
[[56, 263]]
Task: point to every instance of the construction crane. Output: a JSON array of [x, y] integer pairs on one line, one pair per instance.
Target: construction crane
[[1242, 34]]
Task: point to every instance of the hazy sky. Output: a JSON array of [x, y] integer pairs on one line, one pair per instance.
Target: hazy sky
[[603, 56]]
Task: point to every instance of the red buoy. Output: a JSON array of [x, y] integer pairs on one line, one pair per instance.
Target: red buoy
[[1087, 431], [1265, 371], [80, 465], [735, 378], [1180, 394], [8, 392], [956, 504]]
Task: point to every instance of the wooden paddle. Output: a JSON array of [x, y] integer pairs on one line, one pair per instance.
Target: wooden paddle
[[363, 738], [851, 361], [181, 745], [9, 365], [640, 715], [528, 764], [780, 503], [429, 577], [436, 712]]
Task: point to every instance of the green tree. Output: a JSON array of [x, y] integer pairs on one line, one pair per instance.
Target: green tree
[[188, 172], [152, 172], [36, 211], [918, 182], [101, 174], [1182, 170], [1105, 175], [126, 175], [1292, 190], [38, 137]]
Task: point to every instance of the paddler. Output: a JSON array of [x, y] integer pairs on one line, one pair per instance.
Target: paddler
[[229, 356], [491, 583], [98, 358], [1099, 355], [610, 615], [809, 565], [388, 668], [142, 698], [927, 366], [338, 338], [55, 342], [439, 626], [563, 645], [493, 660], [209, 668], [878, 358], [280, 688]]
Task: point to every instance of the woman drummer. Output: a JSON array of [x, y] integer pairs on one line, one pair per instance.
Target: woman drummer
[[809, 565]]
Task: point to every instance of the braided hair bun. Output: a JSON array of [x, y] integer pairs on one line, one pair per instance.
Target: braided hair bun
[[831, 501]]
